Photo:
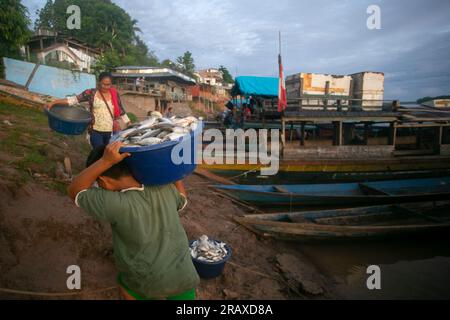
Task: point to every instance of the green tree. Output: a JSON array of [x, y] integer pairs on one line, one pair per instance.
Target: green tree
[[14, 30], [103, 25], [167, 63], [425, 99], [227, 77], [187, 63]]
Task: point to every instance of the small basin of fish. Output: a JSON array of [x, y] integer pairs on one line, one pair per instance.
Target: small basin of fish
[[151, 143], [209, 256]]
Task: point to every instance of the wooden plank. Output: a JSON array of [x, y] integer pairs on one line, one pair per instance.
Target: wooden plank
[[417, 213], [30, 78], [304, 230]]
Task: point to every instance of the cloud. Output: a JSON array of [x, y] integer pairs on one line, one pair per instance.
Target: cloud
[[323, 36]]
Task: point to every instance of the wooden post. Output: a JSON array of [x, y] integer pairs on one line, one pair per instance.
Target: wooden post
[[302, 141], [33, 72], [392, 134], [283, 137], [327, 92], [339, 105], [395, 105], [439, 140], [337, 133], [366, 133], [291, 132], [419, 137], [301, 95]]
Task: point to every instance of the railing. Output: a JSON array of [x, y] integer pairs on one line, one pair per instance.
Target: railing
[[147, 89], [335, 104], [173, 96]]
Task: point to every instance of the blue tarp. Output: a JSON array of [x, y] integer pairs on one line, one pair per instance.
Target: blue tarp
[[255, 86]]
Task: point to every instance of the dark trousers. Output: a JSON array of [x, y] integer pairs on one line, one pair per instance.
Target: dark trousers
[[99, 139]]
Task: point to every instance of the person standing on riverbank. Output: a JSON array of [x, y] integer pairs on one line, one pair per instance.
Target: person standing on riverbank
[[106, 109]]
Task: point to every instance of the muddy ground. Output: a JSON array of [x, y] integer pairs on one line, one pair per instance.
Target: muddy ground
[[42, 232]]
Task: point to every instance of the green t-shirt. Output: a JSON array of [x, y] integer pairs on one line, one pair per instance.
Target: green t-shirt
[[151, 248]]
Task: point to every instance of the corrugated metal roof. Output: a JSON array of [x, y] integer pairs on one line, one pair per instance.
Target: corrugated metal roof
[[165, 75], [136, 68], [153, 72]]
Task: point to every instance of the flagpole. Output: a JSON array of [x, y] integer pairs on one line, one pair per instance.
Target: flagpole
[[282, 101], [279, 42]]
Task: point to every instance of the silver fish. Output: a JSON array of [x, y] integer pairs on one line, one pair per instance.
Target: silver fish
[[205, 249], [127, 132], [163, 134], [180, 130], [147, 124], [157, 129], [137, 132], [163, 125], [151, 133], [174, 136], [149, 141], [181, 123], [165, 120]]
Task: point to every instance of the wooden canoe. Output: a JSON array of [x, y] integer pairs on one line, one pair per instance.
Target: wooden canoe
[[341, 194], [364, 222]]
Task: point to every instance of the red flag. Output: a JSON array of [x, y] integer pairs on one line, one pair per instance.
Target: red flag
[[282, 100]]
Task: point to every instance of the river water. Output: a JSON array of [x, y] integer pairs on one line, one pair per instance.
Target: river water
[[410, 268]]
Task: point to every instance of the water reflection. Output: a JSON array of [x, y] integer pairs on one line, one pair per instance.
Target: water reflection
[[410, 269]]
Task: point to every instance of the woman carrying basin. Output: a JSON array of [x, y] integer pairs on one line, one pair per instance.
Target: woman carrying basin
[[106, 109]]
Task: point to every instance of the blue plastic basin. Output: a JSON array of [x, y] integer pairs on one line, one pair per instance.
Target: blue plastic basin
[[68, 120], [211, 270], [153, 165]]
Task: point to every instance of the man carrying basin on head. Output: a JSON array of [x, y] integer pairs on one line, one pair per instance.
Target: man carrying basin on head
[[106, 109], [151, 248]]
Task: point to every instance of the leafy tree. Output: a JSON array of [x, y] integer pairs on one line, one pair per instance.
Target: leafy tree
[[424, 99], [107, 61], [14, 30], [227, 77], [187, 63], [103, 25], [167, 63]]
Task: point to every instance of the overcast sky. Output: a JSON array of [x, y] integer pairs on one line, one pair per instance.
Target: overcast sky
[[323, 36]]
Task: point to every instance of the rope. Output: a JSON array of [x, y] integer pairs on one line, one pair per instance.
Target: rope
[[243, 174], [48, 294]]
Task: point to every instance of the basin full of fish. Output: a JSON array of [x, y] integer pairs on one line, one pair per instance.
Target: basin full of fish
[[208, 250], [155, 130]]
